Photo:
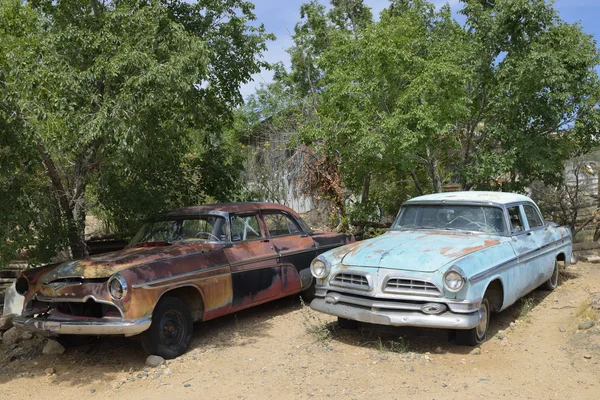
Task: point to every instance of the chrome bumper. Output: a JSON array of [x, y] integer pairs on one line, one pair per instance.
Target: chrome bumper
[[447, 320], [83, 327]]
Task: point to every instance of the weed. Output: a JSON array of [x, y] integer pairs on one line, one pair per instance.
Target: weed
[[395, 346], [586, 312], [526, 307], [314, 325]]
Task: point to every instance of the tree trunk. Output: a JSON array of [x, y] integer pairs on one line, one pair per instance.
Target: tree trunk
[[432, 165], [417, 183], [364, 196]]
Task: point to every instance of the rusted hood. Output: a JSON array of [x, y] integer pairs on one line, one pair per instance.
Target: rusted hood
[[424, 251], [104, 265]]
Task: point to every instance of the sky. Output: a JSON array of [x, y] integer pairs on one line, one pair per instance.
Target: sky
[[280, 17]]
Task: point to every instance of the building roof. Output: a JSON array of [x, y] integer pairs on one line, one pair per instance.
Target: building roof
[[472, 196]]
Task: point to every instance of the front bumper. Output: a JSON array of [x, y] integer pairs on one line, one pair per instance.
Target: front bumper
[[83, 326], [446, 320]]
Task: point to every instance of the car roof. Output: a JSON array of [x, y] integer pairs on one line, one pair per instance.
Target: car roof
[[229, 208], [500, 198]]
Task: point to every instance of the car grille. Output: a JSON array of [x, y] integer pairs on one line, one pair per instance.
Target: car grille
[[354, 281], [411, 286]]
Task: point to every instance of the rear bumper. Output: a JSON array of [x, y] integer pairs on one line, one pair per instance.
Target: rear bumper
[[83, 327], [445, 320]]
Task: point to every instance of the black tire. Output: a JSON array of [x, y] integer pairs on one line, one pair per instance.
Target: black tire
[[308, 294], [477, 335], [346, 323], [551, 283], [170, 333]]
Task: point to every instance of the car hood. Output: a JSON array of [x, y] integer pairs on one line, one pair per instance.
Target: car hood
[[104, 265], [425, 251]]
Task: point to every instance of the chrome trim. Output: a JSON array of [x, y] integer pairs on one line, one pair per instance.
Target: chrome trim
[[385, 289], [448, 320], [84, 327], [352, 285], [160, 282], [457, 269], [124, 287], [77, 300], [505, 265]]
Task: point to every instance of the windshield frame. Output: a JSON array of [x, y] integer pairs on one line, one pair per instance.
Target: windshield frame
[[135, 240], [501, 207]]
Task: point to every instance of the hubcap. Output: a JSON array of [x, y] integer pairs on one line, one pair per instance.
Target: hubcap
[[172, 329], [483, 321]]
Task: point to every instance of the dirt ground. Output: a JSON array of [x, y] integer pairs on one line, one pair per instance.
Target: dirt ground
[[284, 350]]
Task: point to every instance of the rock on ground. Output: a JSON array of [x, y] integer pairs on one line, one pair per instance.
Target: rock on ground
[[586, 325], [6, 321], [154, 361], [52, 347], [11, 336]]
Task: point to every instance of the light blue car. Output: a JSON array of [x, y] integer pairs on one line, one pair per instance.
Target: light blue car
[[448, 261]]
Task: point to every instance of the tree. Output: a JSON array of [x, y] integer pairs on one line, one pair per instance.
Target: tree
[[120, 105]]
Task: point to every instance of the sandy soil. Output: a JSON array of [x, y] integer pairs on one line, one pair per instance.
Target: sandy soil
[[284, 350]]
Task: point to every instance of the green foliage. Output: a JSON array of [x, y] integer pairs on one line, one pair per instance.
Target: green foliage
[[120, 107], [413, 101]]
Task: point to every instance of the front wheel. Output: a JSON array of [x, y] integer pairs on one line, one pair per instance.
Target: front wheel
[[552, 283], [171, 330], [477, 335]]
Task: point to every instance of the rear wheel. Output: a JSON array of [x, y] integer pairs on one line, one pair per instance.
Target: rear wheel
[[552, 283], [477, 335], [346, 323], [171, 330]]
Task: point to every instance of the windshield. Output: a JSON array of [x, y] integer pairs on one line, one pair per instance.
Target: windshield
[[452, 217], [205, 228]]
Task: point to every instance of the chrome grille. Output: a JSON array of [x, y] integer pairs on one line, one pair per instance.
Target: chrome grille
[[411, 286], [350, 280]]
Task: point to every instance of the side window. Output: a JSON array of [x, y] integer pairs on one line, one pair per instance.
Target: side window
[[516, 223], [533, 217], [244, 227], [281, 225]]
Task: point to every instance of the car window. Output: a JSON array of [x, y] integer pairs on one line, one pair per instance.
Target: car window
[[280, 225], [533, 218], [516, 222], [451, 217], [244, 227]]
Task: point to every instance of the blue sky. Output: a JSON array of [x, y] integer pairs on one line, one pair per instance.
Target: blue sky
[[280, 16]]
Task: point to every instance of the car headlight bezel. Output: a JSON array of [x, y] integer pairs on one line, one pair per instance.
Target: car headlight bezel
[[319, 267], [117, 292], [454, 279]]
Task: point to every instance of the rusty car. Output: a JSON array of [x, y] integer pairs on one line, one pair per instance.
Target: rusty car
[[448, 261], [193, 264]]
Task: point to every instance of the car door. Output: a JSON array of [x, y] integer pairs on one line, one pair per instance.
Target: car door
[[525, 248], [255, 270], [295, 247], [543, 241]]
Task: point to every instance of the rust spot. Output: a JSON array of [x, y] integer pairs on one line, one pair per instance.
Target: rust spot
[[444, 250]]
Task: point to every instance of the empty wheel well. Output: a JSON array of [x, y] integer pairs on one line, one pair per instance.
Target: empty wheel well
[[192, 298], [495, 295]]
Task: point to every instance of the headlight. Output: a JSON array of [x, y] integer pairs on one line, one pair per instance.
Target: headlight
[[454, 279], [318, 268], [117, 287], [22, 285]]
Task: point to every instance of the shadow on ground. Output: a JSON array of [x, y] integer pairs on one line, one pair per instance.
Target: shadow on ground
[[113, 357], [422, 340]]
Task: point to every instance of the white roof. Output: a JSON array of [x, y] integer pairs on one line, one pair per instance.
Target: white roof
[[472, 196]]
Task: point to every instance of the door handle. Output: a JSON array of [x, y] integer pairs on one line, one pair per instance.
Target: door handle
[[284, 248], [265, 240]]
